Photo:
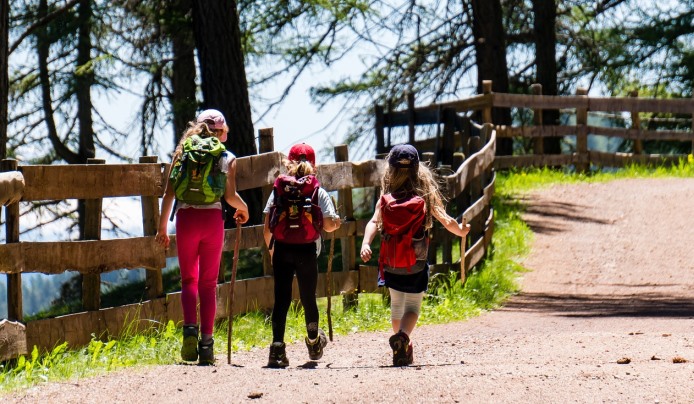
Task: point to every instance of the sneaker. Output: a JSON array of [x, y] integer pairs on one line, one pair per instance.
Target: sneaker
[[315, 348], [402, 349], [206, 352], [189, 349], [278, 356]]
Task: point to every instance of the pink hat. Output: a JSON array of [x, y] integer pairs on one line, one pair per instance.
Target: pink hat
[[213, 118], [302, 151]]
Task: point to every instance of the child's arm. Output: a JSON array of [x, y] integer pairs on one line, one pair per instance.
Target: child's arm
[[331, 220], [162, 236], [267, 234], [232, 197], [331, 224], [452, 225], [370, 233]]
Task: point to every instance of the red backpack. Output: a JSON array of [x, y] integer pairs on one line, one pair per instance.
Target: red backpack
[[296, 217], [402, 220]]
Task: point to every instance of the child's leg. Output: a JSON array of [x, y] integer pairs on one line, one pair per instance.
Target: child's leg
[[187, 240], [405, 308], [283, 276], [307, 278], [210, 251]]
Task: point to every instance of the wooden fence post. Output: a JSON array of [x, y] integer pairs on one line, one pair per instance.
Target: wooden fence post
[[91, 283], [487, 175], [150, 222], [448, 146], [446, 237], [636, 124], [15, 308], [266, 145], [348, 244], [379, 129], [411, 118], [538, 142], [487, 110], [477, 224], [583, 163]]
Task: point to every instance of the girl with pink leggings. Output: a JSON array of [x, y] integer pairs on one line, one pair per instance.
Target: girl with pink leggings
[[200, 236]]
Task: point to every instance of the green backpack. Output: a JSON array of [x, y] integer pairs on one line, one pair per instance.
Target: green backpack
[[196, 176]]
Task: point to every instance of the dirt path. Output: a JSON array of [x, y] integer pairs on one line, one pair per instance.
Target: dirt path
[[611, 277]]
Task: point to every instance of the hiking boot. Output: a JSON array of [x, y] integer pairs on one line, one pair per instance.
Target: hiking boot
[[315, 348], [278, 356], [410, 354], [402, 349], [206, 352], [189, 349]]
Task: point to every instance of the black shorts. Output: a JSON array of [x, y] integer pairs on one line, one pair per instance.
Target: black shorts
[[412, 283]]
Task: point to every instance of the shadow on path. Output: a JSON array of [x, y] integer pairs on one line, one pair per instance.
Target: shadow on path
[[603, 305]]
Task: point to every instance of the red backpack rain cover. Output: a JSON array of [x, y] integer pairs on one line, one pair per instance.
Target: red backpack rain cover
[[401, 220], [296, 217]]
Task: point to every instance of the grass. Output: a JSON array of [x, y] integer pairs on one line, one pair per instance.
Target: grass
[[486, 287]]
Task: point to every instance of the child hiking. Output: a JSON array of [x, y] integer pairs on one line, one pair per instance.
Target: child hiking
[[296, 212], [403, 215], [201, 173]]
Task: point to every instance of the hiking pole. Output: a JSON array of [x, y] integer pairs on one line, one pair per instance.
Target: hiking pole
[[230, 298], [330, 278]]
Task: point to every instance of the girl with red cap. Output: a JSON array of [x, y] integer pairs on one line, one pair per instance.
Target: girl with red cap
[[296, 212], [403, 214], [200, 238]]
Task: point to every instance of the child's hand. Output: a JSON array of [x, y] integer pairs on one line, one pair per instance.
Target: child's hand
[[365, 252], [241, 216], [162, 239], [464, 228]]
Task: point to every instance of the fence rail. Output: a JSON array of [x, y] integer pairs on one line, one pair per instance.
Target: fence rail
[[454, 116], [92, 257]]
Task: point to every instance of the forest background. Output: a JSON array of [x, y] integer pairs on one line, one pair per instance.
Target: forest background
[[116, 80]]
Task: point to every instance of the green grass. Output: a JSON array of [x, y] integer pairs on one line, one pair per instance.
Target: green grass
[[486, 287]]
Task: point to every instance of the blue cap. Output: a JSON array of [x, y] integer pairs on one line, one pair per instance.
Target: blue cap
[[403, 156]]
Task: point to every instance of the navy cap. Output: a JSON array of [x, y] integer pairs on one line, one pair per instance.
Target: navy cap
[[403, 156]]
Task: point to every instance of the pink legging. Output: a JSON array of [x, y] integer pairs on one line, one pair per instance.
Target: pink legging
[[199, 239]]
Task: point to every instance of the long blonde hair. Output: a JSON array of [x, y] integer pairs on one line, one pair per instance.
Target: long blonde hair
[[419, 181], [195, 128], [298, 169]]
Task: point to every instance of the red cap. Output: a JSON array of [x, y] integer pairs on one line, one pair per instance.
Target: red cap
[[302, 151]]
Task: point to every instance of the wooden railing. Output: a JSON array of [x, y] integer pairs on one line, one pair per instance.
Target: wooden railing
[[471, 185], [454, 118]]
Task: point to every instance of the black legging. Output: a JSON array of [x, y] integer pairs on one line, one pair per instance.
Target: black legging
[[287, 260]]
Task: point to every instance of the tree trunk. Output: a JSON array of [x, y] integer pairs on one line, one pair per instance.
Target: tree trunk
[[4, 81], [223, 79], [490, 50], [545, 12], [223, 74], [183, 100], [42, 50], [84, 80]]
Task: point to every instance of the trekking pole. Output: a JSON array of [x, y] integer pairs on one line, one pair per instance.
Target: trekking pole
[[230, 298], [329, 285]]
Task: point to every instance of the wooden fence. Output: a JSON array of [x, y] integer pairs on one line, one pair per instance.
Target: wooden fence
[[452, 121], [471, 186]]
